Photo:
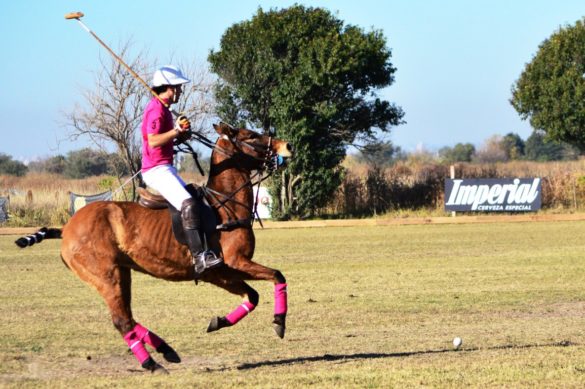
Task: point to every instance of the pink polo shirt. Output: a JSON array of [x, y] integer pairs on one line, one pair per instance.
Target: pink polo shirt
[[157, 120]]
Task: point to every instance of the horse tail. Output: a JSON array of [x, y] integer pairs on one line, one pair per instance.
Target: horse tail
[[37, 237]]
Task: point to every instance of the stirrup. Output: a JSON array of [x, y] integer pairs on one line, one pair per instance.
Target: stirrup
[[205, 260]]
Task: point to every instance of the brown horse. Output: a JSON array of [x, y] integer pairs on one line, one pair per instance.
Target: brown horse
[[104, 241]]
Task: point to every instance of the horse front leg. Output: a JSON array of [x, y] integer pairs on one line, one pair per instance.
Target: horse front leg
[[249, 303], [255, 271]]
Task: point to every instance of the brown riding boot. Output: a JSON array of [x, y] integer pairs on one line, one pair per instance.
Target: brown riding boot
[[202, 259]]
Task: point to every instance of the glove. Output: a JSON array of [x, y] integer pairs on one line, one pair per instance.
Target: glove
[[182, 123], [183, 137]]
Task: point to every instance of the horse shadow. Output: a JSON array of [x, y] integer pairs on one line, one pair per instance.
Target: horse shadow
[[371, 356]]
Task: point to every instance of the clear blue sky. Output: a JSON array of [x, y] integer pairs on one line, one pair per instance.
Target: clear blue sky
[[456, 59]]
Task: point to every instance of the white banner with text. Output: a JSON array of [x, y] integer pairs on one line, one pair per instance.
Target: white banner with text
[[493, 195]]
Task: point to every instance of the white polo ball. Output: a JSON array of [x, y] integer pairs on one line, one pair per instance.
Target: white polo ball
[[457, 342]]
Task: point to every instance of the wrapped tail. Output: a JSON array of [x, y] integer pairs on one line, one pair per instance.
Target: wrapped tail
[[37, 237]]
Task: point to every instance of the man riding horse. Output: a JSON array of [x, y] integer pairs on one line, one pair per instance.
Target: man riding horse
[[105, 241], [159, 130]]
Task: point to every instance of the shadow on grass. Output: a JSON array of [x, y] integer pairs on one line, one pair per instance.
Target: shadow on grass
[[360, 356]]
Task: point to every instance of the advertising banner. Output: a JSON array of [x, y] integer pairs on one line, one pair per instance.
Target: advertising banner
[[493, 195], [77, 201]]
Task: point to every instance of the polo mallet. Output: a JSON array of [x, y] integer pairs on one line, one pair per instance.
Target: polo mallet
[[77, 16]]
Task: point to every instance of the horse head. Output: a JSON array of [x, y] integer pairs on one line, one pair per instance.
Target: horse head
[[251, 150]]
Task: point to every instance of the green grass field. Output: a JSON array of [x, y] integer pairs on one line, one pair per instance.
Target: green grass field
[[369, 307]]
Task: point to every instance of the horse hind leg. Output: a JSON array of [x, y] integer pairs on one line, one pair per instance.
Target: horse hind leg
[[136, 335], [114, 285]]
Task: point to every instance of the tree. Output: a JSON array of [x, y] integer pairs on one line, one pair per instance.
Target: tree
[[380, 154], [54, 165], [304, 73], [491, 151], [551, 89], [11, 167], [513, 146], [538, 148], [81, 163], [85, 163], [115, 107], [461, 152]]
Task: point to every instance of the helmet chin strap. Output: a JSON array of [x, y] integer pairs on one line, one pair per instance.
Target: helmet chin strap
[[174, 97]]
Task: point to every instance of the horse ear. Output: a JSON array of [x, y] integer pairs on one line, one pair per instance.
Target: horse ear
[[225, 129]]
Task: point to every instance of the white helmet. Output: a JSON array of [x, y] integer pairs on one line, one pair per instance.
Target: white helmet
[[169, 75]]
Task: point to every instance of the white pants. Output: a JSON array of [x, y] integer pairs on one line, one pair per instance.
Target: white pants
[[166, 181]]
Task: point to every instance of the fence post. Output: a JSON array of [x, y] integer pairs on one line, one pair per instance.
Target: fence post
[[452, 174]]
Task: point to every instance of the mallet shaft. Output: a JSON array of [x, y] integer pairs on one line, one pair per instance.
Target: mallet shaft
[[76, 16]]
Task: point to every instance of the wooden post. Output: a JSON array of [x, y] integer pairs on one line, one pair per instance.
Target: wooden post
[[452, 174]]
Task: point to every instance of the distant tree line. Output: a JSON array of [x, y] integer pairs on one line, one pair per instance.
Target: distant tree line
[[11, 167], [510, 147], [76, 164], [83, 163]]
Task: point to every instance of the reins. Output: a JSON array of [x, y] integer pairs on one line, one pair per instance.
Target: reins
[[220, 200]]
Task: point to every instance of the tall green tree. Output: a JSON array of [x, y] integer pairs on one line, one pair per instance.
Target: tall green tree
[[461, 152], [513, 145], [305, 73], [551, 89]]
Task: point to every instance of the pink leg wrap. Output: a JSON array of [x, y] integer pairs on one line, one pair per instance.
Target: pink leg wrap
[[147, 336], [240, 312], [280, 299], [136, 346]]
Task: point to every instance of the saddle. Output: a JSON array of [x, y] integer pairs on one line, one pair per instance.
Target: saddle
[[207, 215]]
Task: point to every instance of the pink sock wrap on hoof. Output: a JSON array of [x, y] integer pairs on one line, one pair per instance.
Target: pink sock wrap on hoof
[[136, 346], [240, 312], [148, 337], [280, 299]]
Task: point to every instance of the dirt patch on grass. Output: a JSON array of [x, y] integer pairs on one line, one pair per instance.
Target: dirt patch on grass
[[39, 367]]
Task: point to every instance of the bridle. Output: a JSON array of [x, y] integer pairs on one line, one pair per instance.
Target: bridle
[[269, 163]]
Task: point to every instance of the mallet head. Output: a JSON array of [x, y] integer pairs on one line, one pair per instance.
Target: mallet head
[[74, 15]]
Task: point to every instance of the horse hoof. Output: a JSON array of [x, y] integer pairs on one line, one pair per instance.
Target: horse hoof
[[172, 357], [159, 370], [279, 329], [151, 365], [168, 353], [213, 325], [217, 323], [279, 324]]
